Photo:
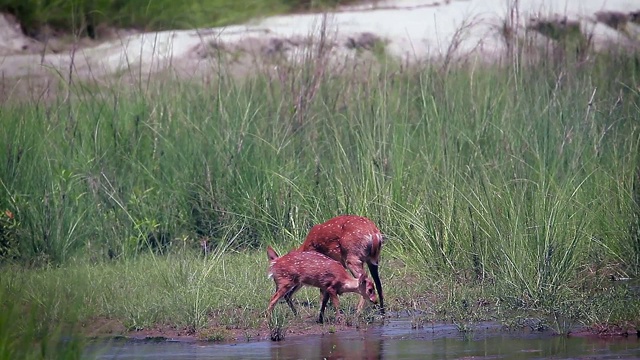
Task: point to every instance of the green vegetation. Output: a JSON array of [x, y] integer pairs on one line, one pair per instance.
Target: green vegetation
[[29, 330], [86, 17], [507, 192]]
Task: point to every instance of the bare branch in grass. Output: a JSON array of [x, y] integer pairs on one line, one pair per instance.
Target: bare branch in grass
[[456, 40], [311, 82]]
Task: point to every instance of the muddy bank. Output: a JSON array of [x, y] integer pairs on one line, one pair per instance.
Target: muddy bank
[[103, 328], [393, 326]]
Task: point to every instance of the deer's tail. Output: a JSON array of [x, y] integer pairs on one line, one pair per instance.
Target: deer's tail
[[376, 247]]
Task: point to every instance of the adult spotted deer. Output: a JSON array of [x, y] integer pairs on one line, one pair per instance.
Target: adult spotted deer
[[298, 268], [353, 241]]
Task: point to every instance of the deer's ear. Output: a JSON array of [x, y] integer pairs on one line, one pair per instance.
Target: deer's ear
[[271, 254], [362, 278]]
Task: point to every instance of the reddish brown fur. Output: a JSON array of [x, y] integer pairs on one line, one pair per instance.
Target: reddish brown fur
[[353, 241], [298, 268]]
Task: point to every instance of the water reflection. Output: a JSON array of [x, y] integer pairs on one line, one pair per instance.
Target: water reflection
[[331, 346], [395, 340], [513, 347]]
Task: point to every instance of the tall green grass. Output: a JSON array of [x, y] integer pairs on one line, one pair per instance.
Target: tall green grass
[[28, 329], [523, 176]]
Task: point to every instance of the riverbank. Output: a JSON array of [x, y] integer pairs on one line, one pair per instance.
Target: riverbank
[[142, 202], [189, 298]]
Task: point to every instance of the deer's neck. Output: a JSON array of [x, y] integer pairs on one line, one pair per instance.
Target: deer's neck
[[350, 285]]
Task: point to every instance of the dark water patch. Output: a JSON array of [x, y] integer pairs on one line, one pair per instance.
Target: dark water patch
[[394, 340]]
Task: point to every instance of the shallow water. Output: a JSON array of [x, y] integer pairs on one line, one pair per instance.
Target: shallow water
[[394, 340]]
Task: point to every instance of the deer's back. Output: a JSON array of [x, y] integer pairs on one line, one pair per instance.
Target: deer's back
[[342, 235], [307, 267]]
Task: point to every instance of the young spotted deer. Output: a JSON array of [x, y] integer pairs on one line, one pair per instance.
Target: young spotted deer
[[297, 268], [353, 241]]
